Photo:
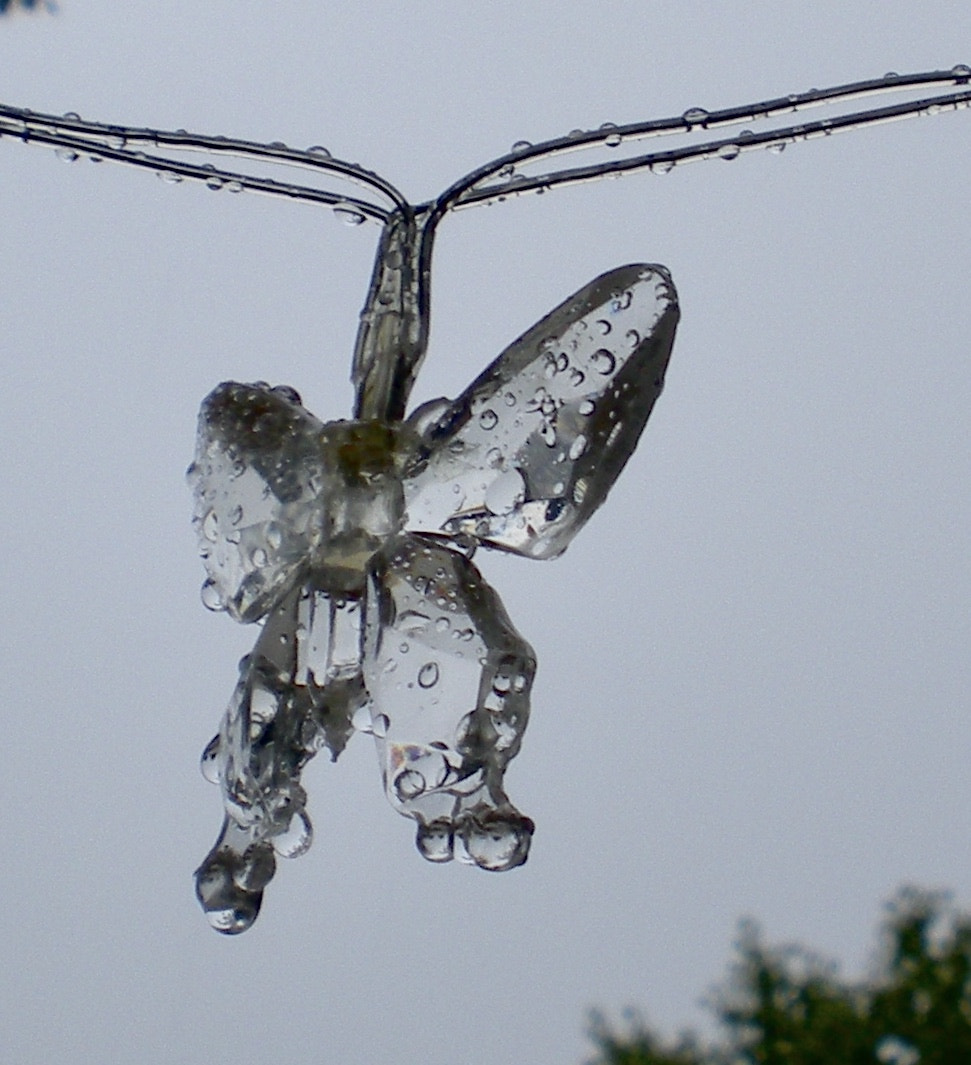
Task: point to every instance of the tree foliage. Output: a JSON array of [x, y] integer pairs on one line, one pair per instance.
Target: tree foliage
[[787, 1006], [9, 6]]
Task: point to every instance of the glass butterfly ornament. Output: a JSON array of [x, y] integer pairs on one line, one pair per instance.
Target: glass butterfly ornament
[[351, 542]]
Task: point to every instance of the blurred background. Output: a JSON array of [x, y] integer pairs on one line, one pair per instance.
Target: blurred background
[[753, 662]]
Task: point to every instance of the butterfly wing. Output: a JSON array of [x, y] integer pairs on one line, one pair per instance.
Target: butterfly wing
[[449, 678], [256, 480], [530, 450]]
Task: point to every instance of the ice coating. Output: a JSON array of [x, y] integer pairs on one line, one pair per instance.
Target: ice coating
[[449, 678], [527, 453], [351, 541]]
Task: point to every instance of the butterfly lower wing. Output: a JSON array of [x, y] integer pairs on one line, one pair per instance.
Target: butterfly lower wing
[[527, 453], [296, 694], [449, 679], [256, 479]]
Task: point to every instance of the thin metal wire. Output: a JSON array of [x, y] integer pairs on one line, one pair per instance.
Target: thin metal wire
[[503, 177], [73, 134], [500, 178]]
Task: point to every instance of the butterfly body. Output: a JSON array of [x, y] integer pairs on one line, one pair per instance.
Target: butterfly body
[[351, 542]]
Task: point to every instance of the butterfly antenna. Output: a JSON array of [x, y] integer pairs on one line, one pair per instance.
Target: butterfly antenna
[[72, 138], [505, 176]]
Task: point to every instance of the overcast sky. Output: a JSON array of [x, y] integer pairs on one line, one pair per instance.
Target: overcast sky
[[753, 684]]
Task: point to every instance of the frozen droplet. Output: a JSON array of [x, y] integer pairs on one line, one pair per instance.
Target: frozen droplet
[[603, 361], [498, 841], [211, 597], [348, 215], [547, 433], [488, 419], [209, 763], [428, 675], [435, 841], [728, 152], [361, 720], [578, 447], [695, 116], [297, 839]]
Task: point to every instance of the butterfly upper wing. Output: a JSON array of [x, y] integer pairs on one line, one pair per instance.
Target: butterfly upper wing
[[529, 451], [256, 479]]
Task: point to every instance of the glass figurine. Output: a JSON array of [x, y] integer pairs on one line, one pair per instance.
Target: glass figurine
[[351, 542]]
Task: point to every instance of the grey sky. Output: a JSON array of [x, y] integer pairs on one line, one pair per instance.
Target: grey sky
[[753, 662]]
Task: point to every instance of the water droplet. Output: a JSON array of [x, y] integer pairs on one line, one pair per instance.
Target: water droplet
[[695, 116], [962, 70], [214, 182], [211, 597], [521, 146], [510, 399], [578, 447], [577, 377], [428, 675], [66, 155], [209, 763], [587, 407], [547, 433], [319, 151], [361, 720], [234, 186], [498, 841], [613, 140], [603, 362], [435, 841], [604, 326], [662, 166], [493, 458], [442, 624], [297, 839], [210, 526], [776, 147], [258, 557], [728, 152], [488, 419], [236, 515], [170, 177], [348, 215], [273, 535], [614, 433]]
